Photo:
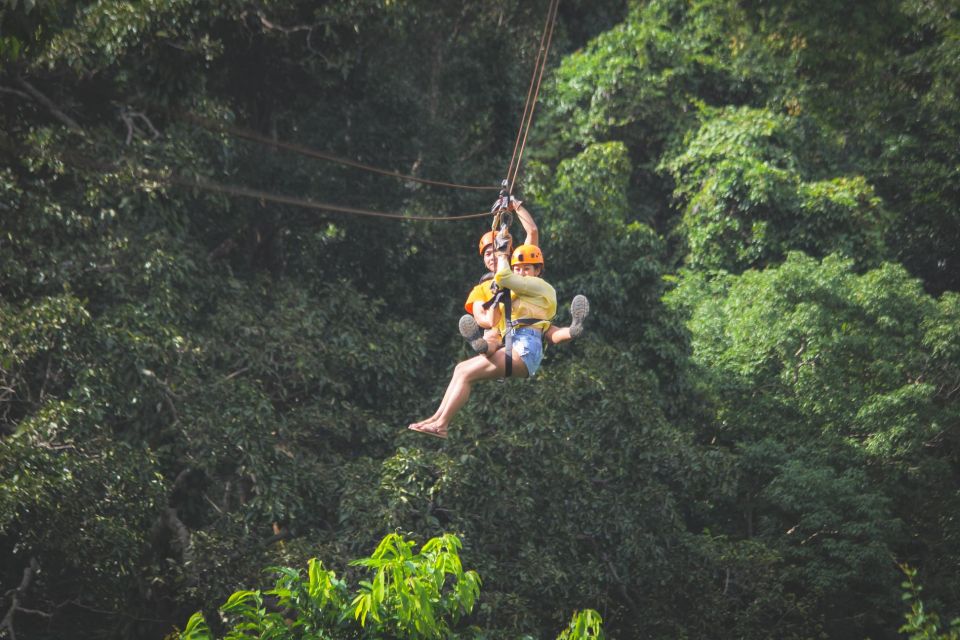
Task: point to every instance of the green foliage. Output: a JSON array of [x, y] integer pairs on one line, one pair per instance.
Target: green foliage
[[407, 595], [588, 198], [410, 595], [115, 29], [60, 474], [585, 624], [922, 624], [635, 81], [596, 244], [747, 200], [831, 346], [193, 386], [824, 382]]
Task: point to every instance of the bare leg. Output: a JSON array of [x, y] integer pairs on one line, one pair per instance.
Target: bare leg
[[471, 371], [481, 362], [458, 391], [446, 397], [443, 403], [557, 335], [579, 309], [492, 336]]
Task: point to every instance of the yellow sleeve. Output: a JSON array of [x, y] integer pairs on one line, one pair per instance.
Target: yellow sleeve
[[535, 290]]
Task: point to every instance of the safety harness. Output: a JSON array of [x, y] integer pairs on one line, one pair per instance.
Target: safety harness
[[502, 218], [502, 295]]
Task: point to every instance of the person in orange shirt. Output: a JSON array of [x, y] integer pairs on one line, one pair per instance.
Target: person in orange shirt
[[483, 337], [533, 299]]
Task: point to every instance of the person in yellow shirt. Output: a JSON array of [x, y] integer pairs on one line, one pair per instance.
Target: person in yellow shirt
[[484, 338], [532, 299]]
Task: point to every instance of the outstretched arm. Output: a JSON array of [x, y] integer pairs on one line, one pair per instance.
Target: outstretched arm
[[528, 224]]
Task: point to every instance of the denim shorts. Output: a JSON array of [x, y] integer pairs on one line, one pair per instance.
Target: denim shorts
[[528, 344]]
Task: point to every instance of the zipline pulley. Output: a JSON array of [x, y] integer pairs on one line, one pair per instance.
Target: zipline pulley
[[502, 219], [502, 216]]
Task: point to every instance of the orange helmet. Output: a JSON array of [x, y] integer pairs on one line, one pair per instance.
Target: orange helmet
[[527, 254], [486, 239]]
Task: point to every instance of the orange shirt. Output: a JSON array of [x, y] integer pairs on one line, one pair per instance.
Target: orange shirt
[[483, 292]]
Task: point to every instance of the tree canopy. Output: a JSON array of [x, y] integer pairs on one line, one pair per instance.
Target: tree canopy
[[201, 378]]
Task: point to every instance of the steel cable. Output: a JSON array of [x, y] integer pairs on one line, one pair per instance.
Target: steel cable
[[247, 134]]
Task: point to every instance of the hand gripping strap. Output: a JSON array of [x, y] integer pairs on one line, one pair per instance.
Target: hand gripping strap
[[503, 295]]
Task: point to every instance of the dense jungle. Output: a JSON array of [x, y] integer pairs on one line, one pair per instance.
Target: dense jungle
[[206, 375]]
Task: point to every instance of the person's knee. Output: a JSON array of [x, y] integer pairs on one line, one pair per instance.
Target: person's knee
[[463, 368]]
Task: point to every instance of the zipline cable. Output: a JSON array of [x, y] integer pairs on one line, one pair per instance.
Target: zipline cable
[[321, 155], [525, 126], [212, 186], [513, 169], [526, 104], [245, 192]]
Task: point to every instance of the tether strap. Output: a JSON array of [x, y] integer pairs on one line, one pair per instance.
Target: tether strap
[[508, 337], [503, 296], [495, 299]]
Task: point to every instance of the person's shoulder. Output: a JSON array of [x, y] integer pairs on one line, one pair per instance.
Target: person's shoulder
[[547, 284], [482, 288]]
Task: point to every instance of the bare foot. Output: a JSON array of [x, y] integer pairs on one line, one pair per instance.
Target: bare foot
[[423, 422], [431, 429]]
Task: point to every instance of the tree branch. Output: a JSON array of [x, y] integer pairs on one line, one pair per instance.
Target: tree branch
[[28, 573], [213, 504], [816, 534], [621, 585], [276, 27], [183, 543], [129, 118], [181, 479], [180, 532], [234, 374], [107, 612], [223, 249], [15, 92], [51, 107]]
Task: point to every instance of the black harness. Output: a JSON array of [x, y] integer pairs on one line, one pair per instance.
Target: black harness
[[502, 295], [502, 220]]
